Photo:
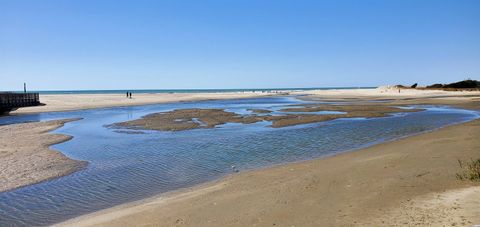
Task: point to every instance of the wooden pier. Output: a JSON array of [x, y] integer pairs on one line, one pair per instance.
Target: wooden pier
[[11, 101]]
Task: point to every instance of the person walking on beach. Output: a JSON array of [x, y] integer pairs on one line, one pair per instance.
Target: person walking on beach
[[127, 94]]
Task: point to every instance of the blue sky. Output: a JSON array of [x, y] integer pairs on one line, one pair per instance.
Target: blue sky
[[55, 45]]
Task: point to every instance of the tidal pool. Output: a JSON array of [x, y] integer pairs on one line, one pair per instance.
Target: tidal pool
[[124, 167]]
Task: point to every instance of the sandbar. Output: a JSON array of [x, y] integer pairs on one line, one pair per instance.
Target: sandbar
[[186, 119], [25, 155]]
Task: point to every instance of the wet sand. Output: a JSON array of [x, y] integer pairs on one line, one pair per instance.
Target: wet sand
[[410, 181], [351, 111], [260, 111], [25, 157], [186, 119]]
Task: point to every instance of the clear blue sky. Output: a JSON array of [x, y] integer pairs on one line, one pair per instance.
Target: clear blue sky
[[236, 44]]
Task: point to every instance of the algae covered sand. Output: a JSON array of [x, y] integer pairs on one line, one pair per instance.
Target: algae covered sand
[[186, 119]]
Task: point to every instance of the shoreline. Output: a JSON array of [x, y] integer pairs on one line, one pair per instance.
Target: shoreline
[[388, 92], [71, 102], [467, 102], [139, 212], [26, 155]]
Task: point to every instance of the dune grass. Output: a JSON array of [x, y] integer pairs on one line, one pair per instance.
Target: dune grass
[[471, 170]]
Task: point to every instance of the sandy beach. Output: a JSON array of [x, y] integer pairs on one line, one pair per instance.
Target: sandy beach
[[25, 156], [65, 102], [406, 182], [383, 92]]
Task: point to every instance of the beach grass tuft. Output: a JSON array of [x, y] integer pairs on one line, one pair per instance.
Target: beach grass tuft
[[471, 170]]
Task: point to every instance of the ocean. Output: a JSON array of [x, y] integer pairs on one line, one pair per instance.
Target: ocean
[[154, 91]]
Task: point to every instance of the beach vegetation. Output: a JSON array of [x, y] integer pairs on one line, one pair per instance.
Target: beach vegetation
[[471, 170]]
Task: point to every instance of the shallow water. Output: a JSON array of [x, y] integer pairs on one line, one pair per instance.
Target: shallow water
[[124, 167]]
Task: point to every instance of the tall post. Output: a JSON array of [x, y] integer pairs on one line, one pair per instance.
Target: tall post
[[24, 87]]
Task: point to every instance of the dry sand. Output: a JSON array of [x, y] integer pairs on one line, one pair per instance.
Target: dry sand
[[64, 102], [25, 157], [401, 183], [385, 92]]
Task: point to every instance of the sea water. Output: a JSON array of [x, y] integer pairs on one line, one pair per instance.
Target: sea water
[[155, 91]]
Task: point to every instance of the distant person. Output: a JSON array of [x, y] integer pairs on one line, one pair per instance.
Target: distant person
[[130, 94], [127, 94]]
